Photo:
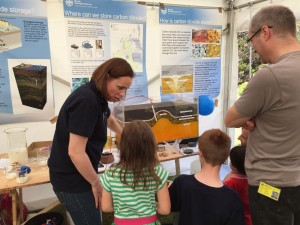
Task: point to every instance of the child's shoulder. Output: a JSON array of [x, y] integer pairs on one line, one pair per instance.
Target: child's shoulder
[[159, 169], [185, 181], [113, 169], [184, 177], [230, 192]]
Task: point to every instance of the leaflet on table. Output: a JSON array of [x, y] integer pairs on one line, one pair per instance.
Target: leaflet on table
[[190, 51], [4, 162], [100, 30], [26, 92]]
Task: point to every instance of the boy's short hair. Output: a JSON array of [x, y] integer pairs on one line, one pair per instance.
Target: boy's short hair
[[215, 146], [237, 158]]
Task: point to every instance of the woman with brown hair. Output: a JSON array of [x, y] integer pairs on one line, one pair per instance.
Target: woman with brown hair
[[80, 135]]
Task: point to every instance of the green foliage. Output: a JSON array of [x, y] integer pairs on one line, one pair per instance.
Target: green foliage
[[298, 31], [244, 59], [241, 88], [244, 56]]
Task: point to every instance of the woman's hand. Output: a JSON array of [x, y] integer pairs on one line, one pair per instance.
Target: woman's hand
[[97, 192]]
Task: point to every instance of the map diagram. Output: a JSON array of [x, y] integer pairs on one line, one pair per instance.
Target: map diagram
[[127, 43]]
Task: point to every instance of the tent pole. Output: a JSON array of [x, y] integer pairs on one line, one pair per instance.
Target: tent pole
[[248, 4], [228, 64], [228, 76]]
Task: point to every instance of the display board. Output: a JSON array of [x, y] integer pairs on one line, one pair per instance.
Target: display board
[[190, 51], [26, 92], [99, 30]]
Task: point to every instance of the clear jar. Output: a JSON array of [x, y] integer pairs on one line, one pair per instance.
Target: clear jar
[[17, 145]]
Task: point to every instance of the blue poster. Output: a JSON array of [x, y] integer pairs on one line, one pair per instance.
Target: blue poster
[[26, 91], [190, 52], [100, 30]]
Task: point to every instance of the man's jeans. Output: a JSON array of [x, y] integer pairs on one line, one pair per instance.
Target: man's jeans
[[266, 211], [81, 207]]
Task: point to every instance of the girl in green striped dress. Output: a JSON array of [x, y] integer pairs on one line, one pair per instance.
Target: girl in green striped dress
[[130, 187]]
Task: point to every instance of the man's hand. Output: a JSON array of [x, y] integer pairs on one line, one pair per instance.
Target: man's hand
[[249, 125], [243, 137]]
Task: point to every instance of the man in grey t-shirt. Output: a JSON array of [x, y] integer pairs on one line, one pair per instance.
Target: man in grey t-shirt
[[270, 108]]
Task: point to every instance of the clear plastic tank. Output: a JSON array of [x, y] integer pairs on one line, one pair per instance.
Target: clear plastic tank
[[17, 145]]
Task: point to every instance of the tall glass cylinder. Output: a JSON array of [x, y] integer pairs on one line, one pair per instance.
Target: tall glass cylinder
[[17, 145]]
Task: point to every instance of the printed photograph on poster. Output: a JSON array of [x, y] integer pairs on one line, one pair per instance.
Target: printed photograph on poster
[[206, 36], [206, 43], [99, 52], [74, 52], [177, 79], [87, 49], [98, 44], [30, 85], [206, 51], [10, 36], [79, 81], [213, 51], [127, 43], [83, 48]]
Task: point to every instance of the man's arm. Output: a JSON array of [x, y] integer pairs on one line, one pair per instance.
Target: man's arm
[[234, 119]]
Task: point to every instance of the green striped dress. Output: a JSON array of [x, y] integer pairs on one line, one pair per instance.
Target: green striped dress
[[129, 203]]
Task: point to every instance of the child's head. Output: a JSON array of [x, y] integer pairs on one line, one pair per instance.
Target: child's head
[[138, 145], [138, 155], [215, 146], [237, 158]]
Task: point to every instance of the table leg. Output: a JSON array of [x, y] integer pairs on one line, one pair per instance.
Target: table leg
[[14, 206], [20, 203], [177, 166]]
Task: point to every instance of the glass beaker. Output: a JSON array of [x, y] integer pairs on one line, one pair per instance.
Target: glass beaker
[[42, 155], [17, 145]]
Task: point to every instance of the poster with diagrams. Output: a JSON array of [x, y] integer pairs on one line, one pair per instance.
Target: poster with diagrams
[[190, 51], [26, 90], [100, 30]]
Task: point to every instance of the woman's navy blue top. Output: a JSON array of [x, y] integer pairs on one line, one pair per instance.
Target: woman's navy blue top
[[84, 113]]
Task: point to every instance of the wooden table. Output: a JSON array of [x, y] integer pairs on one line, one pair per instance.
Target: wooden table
[[175, 155], [39, 175]]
